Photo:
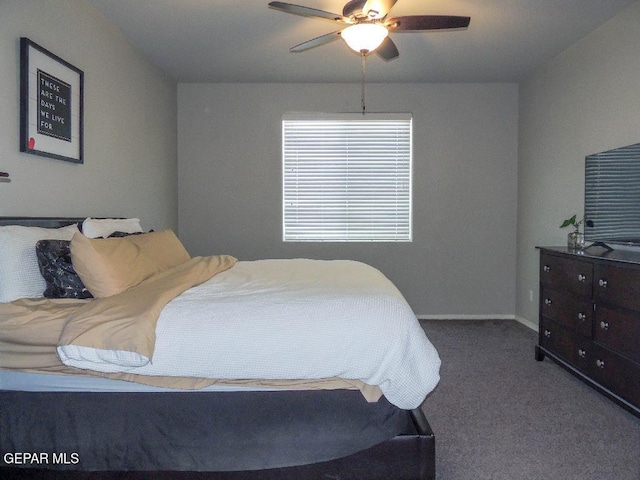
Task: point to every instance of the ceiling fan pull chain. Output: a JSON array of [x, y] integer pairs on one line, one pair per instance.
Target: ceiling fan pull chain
[[363, 65]]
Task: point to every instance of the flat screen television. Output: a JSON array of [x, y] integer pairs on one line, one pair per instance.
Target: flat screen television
[[612, 197]]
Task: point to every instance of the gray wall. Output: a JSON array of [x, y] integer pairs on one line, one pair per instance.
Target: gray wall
[[585, 101], [462, 258], [130, 131]]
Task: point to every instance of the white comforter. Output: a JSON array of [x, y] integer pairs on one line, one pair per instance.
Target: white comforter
[[295, 319]]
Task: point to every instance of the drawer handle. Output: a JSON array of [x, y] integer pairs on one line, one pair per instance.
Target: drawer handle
[[547, 301], [604, 325], [582, 353], [582, 278], [546, 268], [547, 333], [602, 283], [582, 316], [600, 363]]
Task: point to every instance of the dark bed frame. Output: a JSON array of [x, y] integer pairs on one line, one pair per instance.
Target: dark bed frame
[[211, 435]]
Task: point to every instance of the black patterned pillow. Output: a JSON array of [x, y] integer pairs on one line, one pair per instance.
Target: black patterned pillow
[[54, 260], [119, 234]]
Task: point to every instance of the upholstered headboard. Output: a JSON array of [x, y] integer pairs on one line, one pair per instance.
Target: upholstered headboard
[[47, 222]]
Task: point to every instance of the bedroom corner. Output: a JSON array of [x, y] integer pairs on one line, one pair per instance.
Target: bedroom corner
[[130, 144]]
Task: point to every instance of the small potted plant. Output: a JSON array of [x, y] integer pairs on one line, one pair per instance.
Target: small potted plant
[[575, 239]]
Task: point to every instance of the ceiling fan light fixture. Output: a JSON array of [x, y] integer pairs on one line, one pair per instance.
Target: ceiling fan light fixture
[[364, 37]]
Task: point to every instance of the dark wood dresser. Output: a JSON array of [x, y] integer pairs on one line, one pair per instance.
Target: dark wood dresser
[[589, 318]]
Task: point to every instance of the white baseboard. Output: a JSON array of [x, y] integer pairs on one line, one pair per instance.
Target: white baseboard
[[527, 323], [523, 321]]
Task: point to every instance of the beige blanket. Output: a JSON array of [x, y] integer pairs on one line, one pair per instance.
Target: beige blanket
[[32, 329], [127, 321]]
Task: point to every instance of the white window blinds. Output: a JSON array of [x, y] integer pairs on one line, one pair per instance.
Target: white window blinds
[[347, 177]]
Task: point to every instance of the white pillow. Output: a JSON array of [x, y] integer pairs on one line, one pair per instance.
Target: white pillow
[[103, 227], [19, 272]]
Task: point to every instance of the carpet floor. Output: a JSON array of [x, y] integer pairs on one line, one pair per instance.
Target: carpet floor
[[498, 414]]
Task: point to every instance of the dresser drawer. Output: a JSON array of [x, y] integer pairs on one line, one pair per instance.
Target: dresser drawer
[[566, 273], [617, 285], [567, 345], [618, 330], [571, 311], [616, 373]]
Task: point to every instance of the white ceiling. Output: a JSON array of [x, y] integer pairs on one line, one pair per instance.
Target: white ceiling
[[245, 41]]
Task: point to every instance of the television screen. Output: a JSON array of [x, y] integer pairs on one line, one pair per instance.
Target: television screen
[[612, 196]]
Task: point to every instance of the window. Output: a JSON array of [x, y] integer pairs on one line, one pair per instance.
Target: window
[[346, 177]]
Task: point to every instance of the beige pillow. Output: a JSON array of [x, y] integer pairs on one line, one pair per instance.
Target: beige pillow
[[164, 248], [108, 266]]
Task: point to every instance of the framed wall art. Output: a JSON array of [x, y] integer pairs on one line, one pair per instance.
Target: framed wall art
[[51, 104]]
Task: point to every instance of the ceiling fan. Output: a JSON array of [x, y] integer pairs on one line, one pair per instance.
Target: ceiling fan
[[367, 26]]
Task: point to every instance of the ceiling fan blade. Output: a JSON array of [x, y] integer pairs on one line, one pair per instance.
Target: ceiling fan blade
[[387, 49], [308, 12], [316, 42], [377, 9], [426, 22]]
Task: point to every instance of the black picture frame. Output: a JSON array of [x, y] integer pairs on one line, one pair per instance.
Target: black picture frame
[[51, 105]]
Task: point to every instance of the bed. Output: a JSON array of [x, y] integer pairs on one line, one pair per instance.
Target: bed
[[348, 420]]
